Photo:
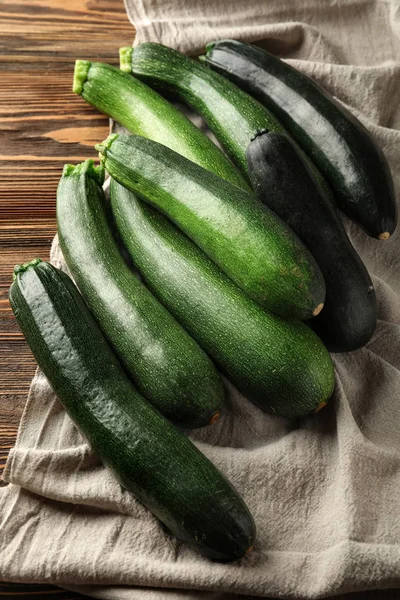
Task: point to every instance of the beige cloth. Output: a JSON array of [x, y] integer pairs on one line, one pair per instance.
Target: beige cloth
[[326, 495]]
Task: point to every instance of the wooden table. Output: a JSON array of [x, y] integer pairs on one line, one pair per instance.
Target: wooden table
[[42, 126]]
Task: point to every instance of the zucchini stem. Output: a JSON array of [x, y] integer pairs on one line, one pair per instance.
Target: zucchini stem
[[22, 268], [80, 75], [125, 59], [86, 168], [104, 146], [209, 47]]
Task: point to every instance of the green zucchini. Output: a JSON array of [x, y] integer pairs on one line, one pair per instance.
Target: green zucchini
[[141, 110], [148, 455], [232, 115], [279, 365], [336, 141], [164, 362], [244, 237]]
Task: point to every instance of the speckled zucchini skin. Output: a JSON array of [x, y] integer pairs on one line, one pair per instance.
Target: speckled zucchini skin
[[244, 237], [164, 362], [334, 139], [282, 180], [148, 455], [280, 365], [232, 115], [141, 110]]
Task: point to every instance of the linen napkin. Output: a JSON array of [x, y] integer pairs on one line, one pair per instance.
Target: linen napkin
[[324, 494]]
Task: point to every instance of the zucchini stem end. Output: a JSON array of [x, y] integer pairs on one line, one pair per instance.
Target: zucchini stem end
[[80, 75], [125, 59], [209, 47], [318, 309], [86, 168], [25, 266], [105, 146]]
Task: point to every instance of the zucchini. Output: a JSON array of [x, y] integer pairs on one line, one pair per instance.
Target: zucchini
[[147, 454], [279, 365], [232, 115], [247, 240], [141, 110], [164, 362], [335, 140], [281, 178]]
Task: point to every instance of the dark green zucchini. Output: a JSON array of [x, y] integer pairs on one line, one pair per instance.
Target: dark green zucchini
[[334, 139], [141, 110], [247, 240], [232, 115], [164, 362], [148, 455], [279, 365], [282, 180]]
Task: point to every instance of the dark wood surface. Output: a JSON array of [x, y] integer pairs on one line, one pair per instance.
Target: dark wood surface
[[42, 126]]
